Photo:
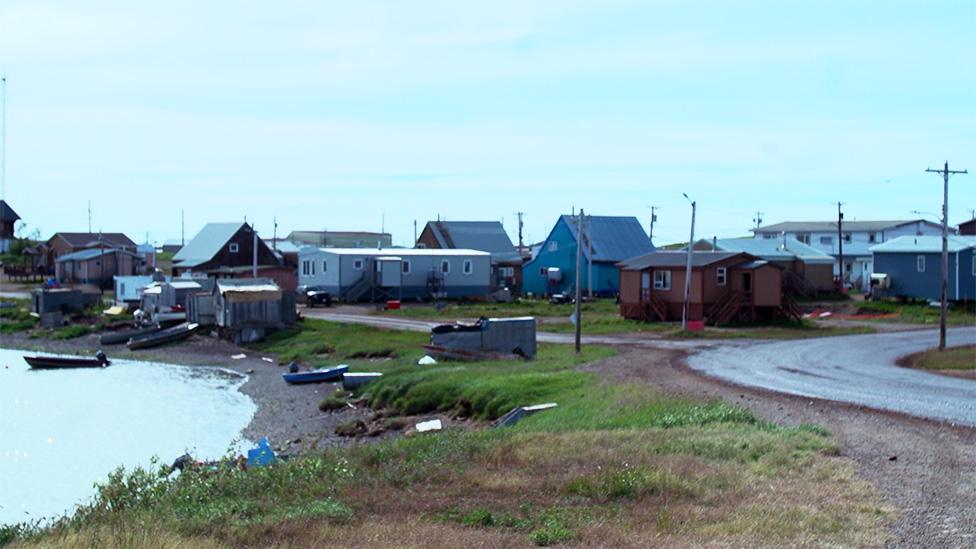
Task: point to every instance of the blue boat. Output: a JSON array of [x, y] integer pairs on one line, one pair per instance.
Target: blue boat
[[324, 375]]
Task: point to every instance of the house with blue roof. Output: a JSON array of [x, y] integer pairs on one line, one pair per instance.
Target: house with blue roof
[[484, 236], [913, 266], [606, 241], [97, 266]]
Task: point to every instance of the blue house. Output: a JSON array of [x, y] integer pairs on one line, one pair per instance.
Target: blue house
[[914, 266], [611, 240]]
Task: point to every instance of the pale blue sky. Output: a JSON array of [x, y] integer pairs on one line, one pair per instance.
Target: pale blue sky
[[330, 115]]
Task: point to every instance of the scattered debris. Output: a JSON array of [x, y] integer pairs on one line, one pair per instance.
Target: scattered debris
[[352, 428], [238, 357], [114, 311], [261, 456], [425, 426], [427, 360], [825, 314], [358, 379], [249, 371], [516, 414], [266, 359]]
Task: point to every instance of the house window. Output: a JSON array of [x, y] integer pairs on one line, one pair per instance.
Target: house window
[[803, 237], [720, 276], [233, 248], [445, 266], [920, 263], [325, 265], [467, 267], [847, 237], [769, 236], [508, 272], [405, 266], [827, 240], [544, 272], [304, 268], [357, 264], [553, 246], [662, 280], [872, 237]]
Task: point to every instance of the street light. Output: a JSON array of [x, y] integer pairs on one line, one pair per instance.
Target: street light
[[691, 245]]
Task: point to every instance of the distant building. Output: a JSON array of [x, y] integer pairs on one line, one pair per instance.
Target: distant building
[[968, 228], [67, 243], [227, 250], [8, 218], [612, 239], [858, 238], [806, 270], [172, 246], [913, 265], [354, 274], [341, 239], [485, 236], [97, 266]]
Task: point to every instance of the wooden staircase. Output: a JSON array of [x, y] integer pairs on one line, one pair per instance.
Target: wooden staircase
[[790, 310], [796, 285], [359, 289], [733, 306]]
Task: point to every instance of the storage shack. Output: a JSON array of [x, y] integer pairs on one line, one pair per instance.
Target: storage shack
[[61, 300], [246, 309], [498, 335]]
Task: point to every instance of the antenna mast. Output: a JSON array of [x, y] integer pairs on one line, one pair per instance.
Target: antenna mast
[[3, 136]]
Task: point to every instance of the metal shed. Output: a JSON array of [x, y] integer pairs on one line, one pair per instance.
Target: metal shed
[[246, 309]]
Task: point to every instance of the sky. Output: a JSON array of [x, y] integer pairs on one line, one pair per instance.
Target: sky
[[371, 115]]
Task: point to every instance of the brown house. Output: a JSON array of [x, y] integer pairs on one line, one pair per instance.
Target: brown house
[[725, 287], [8, 218], [226, 250], [68, 243], [97, 266], [484, 236], [968, 228]]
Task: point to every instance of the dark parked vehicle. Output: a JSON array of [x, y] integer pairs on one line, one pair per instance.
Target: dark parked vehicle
[[315, 295]]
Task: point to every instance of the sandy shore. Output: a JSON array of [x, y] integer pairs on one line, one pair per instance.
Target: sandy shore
[[287, 414]]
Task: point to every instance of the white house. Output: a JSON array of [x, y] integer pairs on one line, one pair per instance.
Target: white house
[[858, 237], [396, 273]]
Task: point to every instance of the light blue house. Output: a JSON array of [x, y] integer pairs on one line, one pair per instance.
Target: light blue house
[[610, 239], [913, 265]]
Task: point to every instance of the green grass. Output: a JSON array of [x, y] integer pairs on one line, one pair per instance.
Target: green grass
[[919, 313], [16, 318], [958, 358], [74, 330], [606, 452], [519, 307]]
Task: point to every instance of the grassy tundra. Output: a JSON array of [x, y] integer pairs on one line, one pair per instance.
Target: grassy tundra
[[614, 464]]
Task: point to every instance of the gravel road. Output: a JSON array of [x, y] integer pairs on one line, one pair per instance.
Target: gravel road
[[859, 369]]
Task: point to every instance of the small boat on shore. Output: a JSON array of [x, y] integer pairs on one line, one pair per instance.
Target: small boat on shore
[[123, 336], [169, 335], [324, 375], [64, 362]]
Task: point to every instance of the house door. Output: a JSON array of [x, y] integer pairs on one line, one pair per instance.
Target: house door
[[645, 285], [747, 282]]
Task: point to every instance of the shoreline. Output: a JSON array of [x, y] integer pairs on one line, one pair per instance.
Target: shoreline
[[288, 415]]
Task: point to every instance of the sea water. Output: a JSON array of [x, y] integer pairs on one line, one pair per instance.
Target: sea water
[[61, 431]]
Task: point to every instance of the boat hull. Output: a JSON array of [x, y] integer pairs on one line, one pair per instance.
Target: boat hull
[[169, 335], [124, 336], [315, 376], [58, 363]]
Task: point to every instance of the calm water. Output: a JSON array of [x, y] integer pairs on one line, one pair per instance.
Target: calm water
[[61, 431]]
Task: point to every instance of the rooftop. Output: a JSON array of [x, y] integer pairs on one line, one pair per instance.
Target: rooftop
[[614, 238], [205, 245], [831, 226], [487, 236], [399, 252], [772, 249], [677, 259], [7, 213], [91, 254], [925, 244]]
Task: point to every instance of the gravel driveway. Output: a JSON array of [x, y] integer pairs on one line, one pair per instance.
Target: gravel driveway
[[858, 369]]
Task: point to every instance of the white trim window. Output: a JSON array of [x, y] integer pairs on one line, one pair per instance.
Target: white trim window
[[553, 246], [467, 267], [445, 266], [325, 266], [662, 280], [357, 264], [233, 248], [803, 237], [405, 266], [920, 263], [305, 267], [544, 272], [827, 240], [507, 272], [721, 276]]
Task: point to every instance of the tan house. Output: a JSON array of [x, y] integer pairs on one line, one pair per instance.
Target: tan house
[[97, 266], [68, 243], [725, 287]]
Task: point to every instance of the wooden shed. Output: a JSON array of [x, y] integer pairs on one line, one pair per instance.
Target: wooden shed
[[246, 309], [725, 287]]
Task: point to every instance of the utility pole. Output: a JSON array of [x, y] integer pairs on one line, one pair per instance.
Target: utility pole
[[589, 256], [3, 137], [274, 239], [650, 233], [182, 228], [89, 217], [691, 246], [758, 219], [946, 172], [579, 292], [254, 252], [414, 233], [840, 245], [520, 225]]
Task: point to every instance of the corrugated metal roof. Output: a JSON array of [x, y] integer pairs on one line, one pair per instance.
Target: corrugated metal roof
[[831, 226], [225, 285], [487, 236], [91, 254], [413, 252], [7, 213], [80, 240], [206, 244], [614, 238], [773, 249], [676, 259], [925, 244]]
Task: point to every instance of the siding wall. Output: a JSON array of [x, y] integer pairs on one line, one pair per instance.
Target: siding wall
[[606, 276], [908, 282]]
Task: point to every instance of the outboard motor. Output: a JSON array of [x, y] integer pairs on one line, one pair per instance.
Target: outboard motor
[[293, 367], [102, 358]]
